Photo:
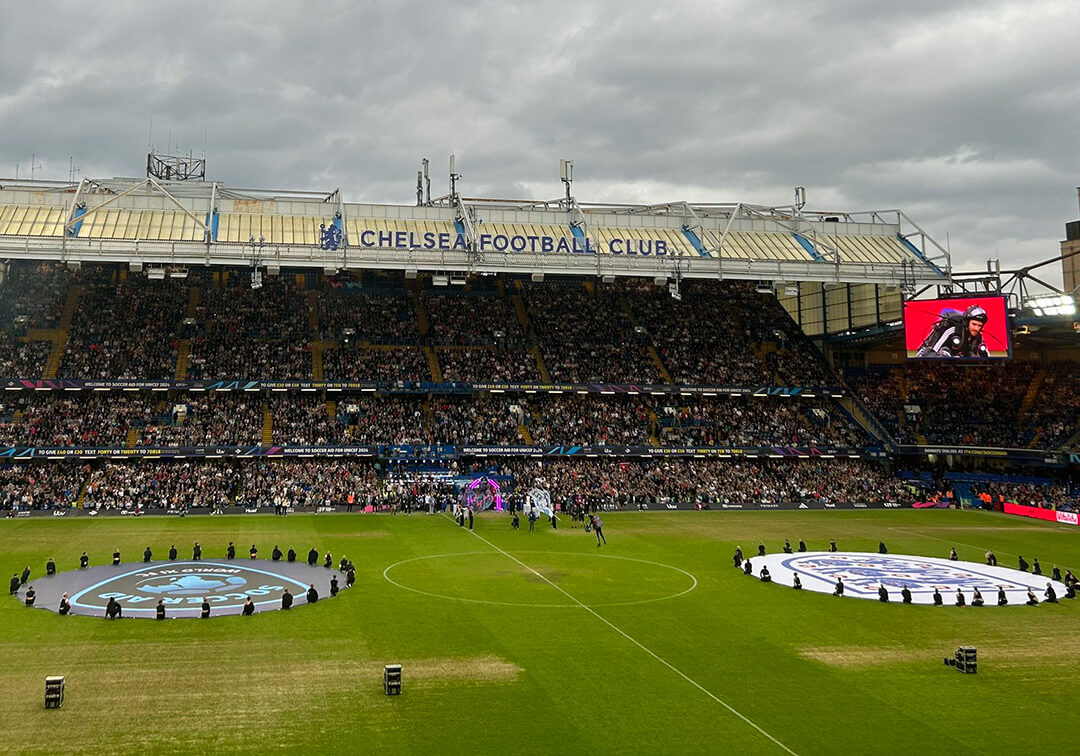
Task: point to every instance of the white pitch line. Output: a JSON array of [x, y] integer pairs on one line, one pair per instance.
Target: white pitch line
[[640, 645]]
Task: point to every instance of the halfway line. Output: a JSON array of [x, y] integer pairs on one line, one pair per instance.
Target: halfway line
[[637, 643]]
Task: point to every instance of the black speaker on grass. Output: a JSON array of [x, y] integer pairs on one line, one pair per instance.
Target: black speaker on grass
[[392, 679], [965, 660], [54, 692]]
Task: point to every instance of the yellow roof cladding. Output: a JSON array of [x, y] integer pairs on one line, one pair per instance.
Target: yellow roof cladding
[[871, 249], [763, 246], [144, 225], [32, 220]]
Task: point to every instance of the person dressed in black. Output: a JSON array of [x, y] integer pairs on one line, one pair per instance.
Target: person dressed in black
[[50, 568], [312, 594], [838, 590], [291, 556], [1069, 577], [196, 552], [1023, 564], [205, 609], [787, 546], [532, 520], [343, 564], [832, 545], [1070, 590], [249, 607], [765, 576], [957, 334], [515, 521], [738, 556], [328, 561], [350, 576], [31, 596], [471, 517], [160, 609], [991, 558], [802, 546], [1050, 593], [334, 586], [1055, 573], [286, 600], [172, 553], [960, 600], [1032, 599], [275, 555], [230, 552], [116, 557], [25, 575], [747, 568], [554, 521], [112, 609], [761, 549], [147, 555], [977, 598], [937, 597], [253, 553], [1036, 568], [1003, 600], [84, 561], [65, 605], [952, 554], [796, 583], [881, 548], [905, 595], [14, 584], [882, 593], [312, 558]]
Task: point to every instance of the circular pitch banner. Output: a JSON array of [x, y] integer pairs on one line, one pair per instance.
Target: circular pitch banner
[[182, 586], [864, 573]]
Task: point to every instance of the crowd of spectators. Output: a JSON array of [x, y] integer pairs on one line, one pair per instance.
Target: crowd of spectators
[[304, 420], [598, 484], [307, 482], [1044, 495], [39, 485], [472, 320], [125, 330], [490, 365], [172, 486], [490, 420], [378, 317], [390, 366], [592, 420], [22, 359], [756, 421]]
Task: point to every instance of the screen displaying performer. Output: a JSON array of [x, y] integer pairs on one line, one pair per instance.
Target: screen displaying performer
[[967, 328]]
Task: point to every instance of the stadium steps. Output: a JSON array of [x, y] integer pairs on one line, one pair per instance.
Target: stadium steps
[[628, 311], [854, 410], [63, 329], [519, 308], [331, 411], [82, 492], [525, 435], [920, 439], [132, 438], [194, 296], [422, 322], [1072, 441], [1030, 396], [545, 376], [433, 364], [316, 360], [183, 351], [901, 385], [655, 357], [268, 426], [500, 286], [1034, 443], [313, 309]]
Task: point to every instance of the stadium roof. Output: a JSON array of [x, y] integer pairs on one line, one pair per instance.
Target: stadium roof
[[151, 222]]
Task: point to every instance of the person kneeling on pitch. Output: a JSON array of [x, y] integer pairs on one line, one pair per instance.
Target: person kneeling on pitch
[[161, 609], [937, 597], [905, 595], [839, 589], [84, 561], [1050, 593], [291, 556], [747, 568], [881, 548], [796, 583], [334, 586], [312, 594], [787, 546], [312, 558], [286, 600], [172, 553], [1003, 600], [960, 600], [275, 555], [249, 607], [1070, 590], [882, 593], [112, 609], [1032, 599], [31, 596], [65, 605], [147, 555], [976, 598], [764, 575], [50, 568], [738, 556], [205, 609]]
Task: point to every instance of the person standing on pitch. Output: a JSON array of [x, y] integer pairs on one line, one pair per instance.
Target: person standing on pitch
[[147, 555], [532, 520], [286, 600], [598, 528], [230, 552], [350, 576], [312, 557], [196, 552], [205, 609], [31, 596], [554, 520], [470, 517], [172, 553], [738, 557], [50, 568], [334, 586], [25, 575], [515, 521], [65, 605], [161, 609]]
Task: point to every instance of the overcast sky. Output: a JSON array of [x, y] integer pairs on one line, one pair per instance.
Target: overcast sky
[[964, 114]]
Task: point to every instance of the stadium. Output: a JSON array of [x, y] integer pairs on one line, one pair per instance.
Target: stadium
[[516, 444]]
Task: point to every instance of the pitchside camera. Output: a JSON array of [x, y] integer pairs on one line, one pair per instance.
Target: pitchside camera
[[965, 660], [392, 679]]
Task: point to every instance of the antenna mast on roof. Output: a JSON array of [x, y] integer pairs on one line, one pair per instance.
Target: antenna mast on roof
[[175, 167]]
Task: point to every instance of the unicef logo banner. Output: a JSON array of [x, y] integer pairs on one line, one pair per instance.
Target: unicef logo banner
[[183, 586], [863, 574]]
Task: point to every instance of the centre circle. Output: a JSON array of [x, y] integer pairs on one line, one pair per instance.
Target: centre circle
[[493, 578]]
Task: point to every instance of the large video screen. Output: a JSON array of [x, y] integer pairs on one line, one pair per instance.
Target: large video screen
[[968, 328]]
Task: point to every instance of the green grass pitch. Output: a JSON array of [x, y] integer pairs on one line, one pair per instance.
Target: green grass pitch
[[542, 643]]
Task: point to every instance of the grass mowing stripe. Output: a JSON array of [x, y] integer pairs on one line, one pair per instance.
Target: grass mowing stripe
[[640, 645]]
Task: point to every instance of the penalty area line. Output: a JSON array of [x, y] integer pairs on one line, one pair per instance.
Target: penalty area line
[[640, 645]]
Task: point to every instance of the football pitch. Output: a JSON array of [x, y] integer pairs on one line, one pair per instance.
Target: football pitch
[[542, 643]]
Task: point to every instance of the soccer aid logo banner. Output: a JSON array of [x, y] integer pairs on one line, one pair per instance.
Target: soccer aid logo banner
[[183, 586], [863, 574], [540, 500]]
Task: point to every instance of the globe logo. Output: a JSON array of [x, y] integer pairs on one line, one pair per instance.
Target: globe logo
[[190, 585]]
